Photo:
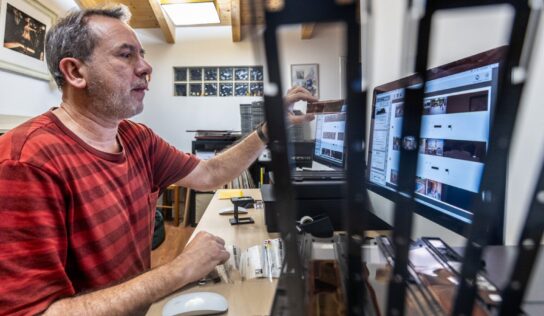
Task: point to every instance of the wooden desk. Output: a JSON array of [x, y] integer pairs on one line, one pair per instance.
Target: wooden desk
[[252, 297]]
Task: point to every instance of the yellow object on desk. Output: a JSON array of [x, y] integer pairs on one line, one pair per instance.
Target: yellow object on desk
[[230, 193]]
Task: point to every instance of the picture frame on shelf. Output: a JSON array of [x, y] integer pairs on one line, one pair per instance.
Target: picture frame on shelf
[[306, 76], [23, 25]]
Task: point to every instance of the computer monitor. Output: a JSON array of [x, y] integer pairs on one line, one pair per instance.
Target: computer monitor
[[458, 103], [329, 139]]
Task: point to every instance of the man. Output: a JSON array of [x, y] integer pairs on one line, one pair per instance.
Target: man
[[79, 184]]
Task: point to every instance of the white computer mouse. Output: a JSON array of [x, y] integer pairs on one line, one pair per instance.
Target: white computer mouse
[[196, 303]]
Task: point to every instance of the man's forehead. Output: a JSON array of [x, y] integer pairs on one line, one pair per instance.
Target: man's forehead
[[108, 28]]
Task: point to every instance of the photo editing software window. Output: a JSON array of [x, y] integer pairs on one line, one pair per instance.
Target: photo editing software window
[[453, 141], [329, 138]]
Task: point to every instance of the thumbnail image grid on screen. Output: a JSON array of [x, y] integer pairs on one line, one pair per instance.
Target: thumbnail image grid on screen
[[453, 141], [329, 139]]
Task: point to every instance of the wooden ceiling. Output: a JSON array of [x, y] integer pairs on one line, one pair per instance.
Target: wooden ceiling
[[236, 13]]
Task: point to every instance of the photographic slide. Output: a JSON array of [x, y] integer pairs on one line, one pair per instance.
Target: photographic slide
[[325, 106], [465, 150], [329, 135], [23, 33], [434, 106], [399, 110], [396, 143], [468, 102], [434, 189], [409, 143], [434, 147], [422, 144], [420, 186], [394, 176]]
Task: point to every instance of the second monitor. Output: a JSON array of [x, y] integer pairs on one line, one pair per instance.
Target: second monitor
[[329, 139], [457, 109]]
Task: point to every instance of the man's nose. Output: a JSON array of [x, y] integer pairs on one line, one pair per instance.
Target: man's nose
[[144, 69]]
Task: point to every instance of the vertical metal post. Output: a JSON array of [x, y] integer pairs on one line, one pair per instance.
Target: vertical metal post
[[404, 202], [492, 188], [308, 11], [356, 212], [494, 177], [285, 201]]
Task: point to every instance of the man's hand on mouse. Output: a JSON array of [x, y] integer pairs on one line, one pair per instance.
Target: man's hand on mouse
[[201, 256]]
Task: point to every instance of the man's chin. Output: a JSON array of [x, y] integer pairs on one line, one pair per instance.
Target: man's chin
[[132, 111]]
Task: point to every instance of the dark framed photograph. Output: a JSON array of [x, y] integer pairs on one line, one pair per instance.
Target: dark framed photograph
[[23, 25], [306, 76]]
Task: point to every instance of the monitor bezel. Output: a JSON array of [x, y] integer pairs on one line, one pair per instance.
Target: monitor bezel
[[496, 55]]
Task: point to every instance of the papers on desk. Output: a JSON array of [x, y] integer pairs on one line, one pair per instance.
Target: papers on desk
[[259, 261], [230, 193]]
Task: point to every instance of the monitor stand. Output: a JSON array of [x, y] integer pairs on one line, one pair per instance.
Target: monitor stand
[[240, 220]]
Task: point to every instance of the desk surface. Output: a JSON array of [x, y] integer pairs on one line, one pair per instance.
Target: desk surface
[[252, 297]]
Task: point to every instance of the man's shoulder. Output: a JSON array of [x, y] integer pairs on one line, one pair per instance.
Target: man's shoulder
[[134, 131], [132, 126], [29, 136]]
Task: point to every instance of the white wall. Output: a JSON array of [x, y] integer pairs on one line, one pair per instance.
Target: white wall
[[27, 96], [457, 35], [171, 116]]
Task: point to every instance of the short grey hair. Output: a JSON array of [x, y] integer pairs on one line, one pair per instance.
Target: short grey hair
[[72, 37]]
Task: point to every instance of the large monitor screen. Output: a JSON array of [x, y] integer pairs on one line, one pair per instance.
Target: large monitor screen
[[329, 139], [457, 108]]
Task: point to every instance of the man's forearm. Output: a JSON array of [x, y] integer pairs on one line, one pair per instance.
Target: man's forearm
[[132, 297], [230, 163]]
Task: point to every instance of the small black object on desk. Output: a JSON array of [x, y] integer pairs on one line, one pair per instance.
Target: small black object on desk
[[243, 201]]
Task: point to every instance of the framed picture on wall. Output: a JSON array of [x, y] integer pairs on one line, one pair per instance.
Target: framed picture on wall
[[306, 76], [23, 25]]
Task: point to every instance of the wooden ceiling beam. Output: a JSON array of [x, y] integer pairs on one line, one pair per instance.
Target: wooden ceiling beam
[[236, 21], [307, 31], [169, 33]]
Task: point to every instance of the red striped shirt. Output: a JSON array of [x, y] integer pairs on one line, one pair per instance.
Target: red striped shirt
[[73, 218]]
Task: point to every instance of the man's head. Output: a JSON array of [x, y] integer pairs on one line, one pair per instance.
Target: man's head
[[94, 55]]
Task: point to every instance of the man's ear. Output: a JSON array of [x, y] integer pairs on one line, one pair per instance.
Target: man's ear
[[71, 68]]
